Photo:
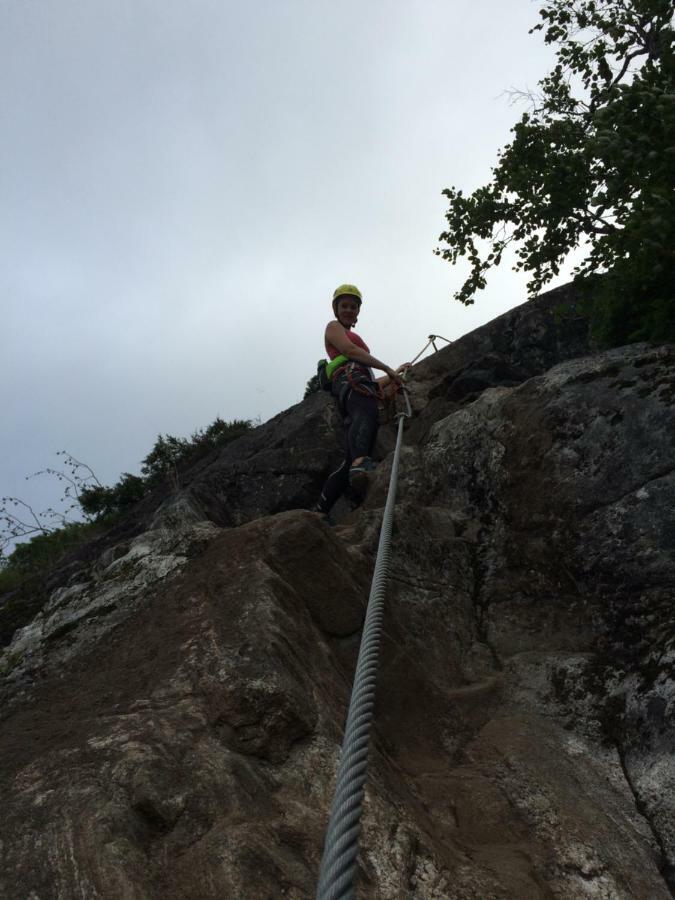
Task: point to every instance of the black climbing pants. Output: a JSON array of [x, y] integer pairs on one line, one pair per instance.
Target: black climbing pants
[[361, 423]]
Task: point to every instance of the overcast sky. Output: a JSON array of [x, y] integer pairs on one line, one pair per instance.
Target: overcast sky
[[183, 184]]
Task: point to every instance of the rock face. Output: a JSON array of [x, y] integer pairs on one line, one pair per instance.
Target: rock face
[[172, 716]]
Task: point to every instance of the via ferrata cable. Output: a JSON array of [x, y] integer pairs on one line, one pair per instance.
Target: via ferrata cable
[[432, 340], [338, 867]]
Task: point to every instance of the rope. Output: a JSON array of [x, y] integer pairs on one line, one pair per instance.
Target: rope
[[338, 867]]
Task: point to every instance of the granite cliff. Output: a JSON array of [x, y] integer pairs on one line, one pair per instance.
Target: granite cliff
[[172, 703]]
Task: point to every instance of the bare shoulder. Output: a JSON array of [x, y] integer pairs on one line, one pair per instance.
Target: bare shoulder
[[334, 329], [336, 337]]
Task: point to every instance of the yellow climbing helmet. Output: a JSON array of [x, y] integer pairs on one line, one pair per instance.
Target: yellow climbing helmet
[[349, 290]]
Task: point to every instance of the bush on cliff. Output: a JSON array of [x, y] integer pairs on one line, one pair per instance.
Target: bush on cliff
[[164, 462], [171, 453]]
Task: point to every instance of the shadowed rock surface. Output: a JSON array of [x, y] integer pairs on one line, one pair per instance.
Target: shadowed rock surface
[[172, 713]]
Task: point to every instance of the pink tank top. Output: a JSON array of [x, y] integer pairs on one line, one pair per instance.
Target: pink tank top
[[354, 338]]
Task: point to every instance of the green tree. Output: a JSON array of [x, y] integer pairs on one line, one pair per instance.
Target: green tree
[[162, 461], [590, 165], [170, 453], [219, 433]]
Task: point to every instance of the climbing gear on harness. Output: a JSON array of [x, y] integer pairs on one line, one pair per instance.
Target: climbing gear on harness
[[353, 377], [325, 370], [338, 865], [335, 364], [361, 381]]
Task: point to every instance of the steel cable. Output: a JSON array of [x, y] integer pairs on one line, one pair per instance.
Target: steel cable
[[432, 340], [337, 877]]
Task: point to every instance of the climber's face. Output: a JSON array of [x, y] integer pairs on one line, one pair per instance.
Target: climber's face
[[347, 311]]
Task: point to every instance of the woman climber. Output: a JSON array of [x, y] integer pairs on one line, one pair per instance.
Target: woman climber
[[357, 393]]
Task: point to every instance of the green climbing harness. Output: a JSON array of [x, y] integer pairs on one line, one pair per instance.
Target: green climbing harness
[[325, 369]]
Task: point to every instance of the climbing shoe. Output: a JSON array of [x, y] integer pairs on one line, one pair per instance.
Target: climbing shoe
[[359, 477]]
